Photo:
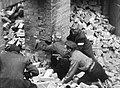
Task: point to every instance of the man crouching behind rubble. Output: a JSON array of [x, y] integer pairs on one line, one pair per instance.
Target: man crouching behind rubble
[[80, 62], [12, 66]]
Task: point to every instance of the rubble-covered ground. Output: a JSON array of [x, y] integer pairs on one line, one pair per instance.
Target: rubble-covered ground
[[99, 31], [88, 17]]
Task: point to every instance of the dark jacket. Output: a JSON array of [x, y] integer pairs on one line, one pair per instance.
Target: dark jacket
[[83, 43], [56, 47], [12, 66]]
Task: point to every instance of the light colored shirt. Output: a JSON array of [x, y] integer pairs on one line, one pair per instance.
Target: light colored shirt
[[84, 61]]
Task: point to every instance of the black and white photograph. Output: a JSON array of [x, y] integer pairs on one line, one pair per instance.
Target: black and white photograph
[[59, 43]]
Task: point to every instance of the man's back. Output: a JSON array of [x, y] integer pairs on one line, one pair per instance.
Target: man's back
[[82, 59], [12, 67]]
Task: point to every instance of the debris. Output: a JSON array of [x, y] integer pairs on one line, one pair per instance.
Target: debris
[[13, 25], [97, 28], [100, 33]]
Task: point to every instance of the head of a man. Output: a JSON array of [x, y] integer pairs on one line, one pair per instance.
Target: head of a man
[[14, 48], [75, 28]]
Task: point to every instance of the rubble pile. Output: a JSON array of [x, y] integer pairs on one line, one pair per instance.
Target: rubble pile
[[13, 25], [88, 17], [48, 79]]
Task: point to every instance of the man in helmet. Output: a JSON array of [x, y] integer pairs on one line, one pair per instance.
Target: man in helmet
[[78, 36]]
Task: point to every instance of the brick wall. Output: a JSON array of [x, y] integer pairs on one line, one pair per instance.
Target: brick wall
[[1, 37], [61, 17], [42, 17], [114, 15], [37, 17]]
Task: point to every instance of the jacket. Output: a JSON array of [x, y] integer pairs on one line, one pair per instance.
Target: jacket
[[12, 67], [82, 42]]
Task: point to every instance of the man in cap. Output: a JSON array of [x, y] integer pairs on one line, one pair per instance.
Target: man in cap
[[12, 67], [58, 51], [80, 62], [77, 36]]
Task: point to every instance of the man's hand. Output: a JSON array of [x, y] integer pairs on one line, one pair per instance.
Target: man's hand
[[63, 80]]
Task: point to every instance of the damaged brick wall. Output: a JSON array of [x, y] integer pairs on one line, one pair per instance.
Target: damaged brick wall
[[114, 15], [1, 37], [42, 17], [37, 17], [61, 17]]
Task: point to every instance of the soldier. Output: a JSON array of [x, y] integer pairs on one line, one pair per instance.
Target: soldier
[[81, 62], [58, 51], [78, 36], [12, 67], [79, 41]]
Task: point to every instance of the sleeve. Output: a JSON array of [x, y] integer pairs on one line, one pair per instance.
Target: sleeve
[[61, 49], [40, 46], [50, 47], [58, 47], [88, 50], [80, 40], [72, 70], [44, 46], [84, 45]]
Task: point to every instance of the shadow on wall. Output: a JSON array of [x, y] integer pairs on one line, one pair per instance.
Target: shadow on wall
[[114, 15]]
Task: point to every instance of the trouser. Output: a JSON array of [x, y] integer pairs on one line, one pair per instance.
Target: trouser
[[97, 72], [30, 84], [60, 66], [33, 85]]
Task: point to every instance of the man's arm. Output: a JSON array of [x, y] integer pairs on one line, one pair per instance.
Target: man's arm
[[80, 40], [44, 46], [72, 70], [58, 47]]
